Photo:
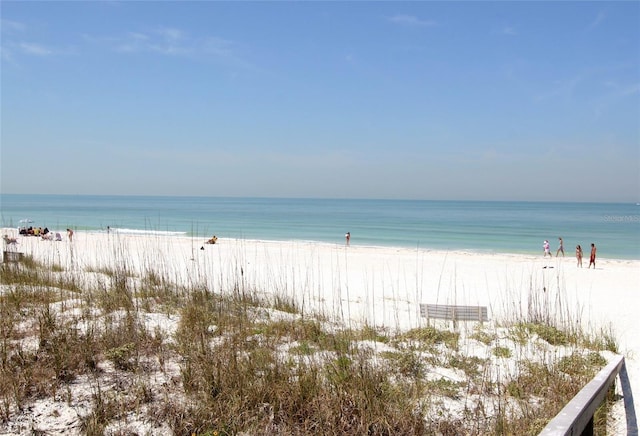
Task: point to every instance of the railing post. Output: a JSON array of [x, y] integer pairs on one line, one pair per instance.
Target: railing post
[[627, 395]]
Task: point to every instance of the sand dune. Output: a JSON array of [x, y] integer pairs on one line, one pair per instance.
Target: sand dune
[[374, 285]]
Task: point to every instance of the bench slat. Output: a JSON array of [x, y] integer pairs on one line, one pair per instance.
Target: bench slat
[[454, 313]]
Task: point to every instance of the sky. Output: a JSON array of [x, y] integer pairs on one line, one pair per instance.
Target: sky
[[533, 101]]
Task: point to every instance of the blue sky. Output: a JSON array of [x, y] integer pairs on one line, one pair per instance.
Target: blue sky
[[412, 100]]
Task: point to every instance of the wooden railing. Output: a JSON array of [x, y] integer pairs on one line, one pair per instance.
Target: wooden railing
[[576, 418]]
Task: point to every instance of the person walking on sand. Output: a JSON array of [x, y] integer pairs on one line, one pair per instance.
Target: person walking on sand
[[70, 234], [348, 237], [560, 247], [579, 255], [592, 257], [547, 248]]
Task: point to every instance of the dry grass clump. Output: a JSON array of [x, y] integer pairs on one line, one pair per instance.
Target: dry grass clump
[[245, 373], [129, 351]]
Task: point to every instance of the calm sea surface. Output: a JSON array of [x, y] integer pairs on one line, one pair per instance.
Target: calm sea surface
[[512, 227]]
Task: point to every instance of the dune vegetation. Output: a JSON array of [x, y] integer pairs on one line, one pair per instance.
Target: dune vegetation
[[112, 350]]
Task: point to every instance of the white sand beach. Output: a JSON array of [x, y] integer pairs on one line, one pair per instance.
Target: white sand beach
[[374, 285]]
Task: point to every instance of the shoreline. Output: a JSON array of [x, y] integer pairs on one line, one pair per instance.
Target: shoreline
[[530, 254], [494, 227]]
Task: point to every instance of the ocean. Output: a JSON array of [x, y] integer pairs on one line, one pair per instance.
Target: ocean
[[484, 226]]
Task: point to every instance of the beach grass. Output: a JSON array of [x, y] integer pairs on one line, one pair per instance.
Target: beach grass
[[138, 349]]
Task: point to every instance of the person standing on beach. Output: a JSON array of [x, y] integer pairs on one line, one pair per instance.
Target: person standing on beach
[[560, 247], [592, 257], [348, 237], [547, 248], [579, 255], [70, 234]]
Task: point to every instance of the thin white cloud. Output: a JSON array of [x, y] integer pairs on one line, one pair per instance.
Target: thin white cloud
[[13, 49], [133, 42], [12, 26], [138, 36], [620, 90], [505, 30], [598, 20], [165, 41], [411, 20], [631, 90], [170, 42], [218, 46], [10, 47], [173, 42], [15, 43], [561, 89], [171, 35], [34, 49]]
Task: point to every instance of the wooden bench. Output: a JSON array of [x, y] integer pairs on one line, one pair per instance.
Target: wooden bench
[[12, 256], [454, 313]]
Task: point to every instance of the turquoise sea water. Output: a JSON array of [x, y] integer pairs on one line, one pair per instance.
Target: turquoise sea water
[[510, 227]]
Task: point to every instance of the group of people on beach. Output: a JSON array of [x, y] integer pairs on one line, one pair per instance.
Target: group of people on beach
[[45, 233], [33, 231], [592, 256]]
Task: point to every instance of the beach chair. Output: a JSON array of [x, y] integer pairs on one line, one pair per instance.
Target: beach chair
[[9, 241]]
